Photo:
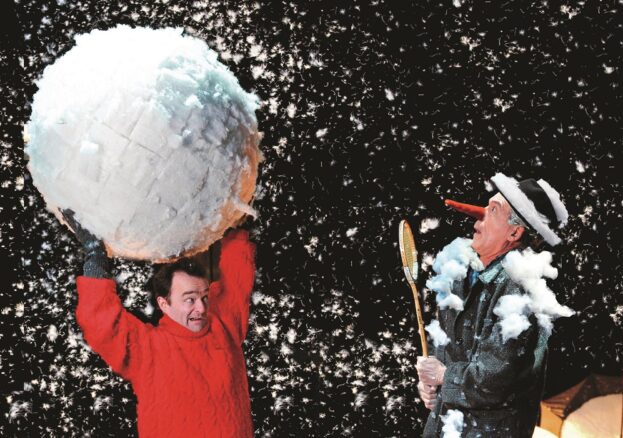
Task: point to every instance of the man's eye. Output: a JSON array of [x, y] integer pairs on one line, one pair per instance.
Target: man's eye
[[205, 299], [190, 300]]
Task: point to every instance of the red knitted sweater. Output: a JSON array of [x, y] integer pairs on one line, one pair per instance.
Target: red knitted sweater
[[187, 384]]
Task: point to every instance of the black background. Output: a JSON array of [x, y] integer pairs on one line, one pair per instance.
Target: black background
[[420, 101]]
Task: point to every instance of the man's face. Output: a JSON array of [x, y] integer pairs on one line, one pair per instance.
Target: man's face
[[493, 235], [188, 301]]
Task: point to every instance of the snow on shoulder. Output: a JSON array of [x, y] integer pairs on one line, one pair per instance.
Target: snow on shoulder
[[148, 138], [529, 269]]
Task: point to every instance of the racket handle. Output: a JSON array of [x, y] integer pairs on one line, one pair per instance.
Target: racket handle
[[420, 320]]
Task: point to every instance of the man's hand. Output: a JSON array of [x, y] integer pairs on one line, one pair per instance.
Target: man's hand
[[428, 394], [430, 370], [84, 236], [95, 261]]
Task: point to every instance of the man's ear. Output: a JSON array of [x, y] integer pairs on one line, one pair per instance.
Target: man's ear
[[516, 234], [162, 303]]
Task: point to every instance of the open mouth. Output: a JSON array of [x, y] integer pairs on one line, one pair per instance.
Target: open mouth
[[197, 319]]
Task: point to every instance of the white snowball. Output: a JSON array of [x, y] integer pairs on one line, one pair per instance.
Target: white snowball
[[148, 138]]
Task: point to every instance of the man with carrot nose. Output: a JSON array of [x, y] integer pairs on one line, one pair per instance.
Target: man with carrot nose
[[495, 314]]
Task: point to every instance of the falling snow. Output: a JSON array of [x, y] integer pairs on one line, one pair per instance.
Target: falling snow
[[371, 112]]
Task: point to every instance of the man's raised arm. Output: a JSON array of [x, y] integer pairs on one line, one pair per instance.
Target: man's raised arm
[[237, 268], [112, 332]]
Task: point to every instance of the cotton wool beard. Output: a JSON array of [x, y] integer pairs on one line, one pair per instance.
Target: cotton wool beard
[[450, 265], [148, 138]]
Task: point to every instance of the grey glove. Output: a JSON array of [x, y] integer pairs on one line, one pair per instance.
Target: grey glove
[[95, 260]]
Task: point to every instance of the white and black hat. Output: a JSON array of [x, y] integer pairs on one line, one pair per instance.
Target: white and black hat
[[536, 203]]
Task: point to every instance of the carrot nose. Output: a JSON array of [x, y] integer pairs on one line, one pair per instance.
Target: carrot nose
[[468, 209]]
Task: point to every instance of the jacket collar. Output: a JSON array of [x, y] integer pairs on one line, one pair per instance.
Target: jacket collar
[[492, 271]]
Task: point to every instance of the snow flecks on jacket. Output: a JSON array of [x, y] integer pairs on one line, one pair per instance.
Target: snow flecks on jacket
[[437, 335], [452, 424]]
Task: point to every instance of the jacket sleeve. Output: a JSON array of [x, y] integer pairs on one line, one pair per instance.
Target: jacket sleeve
[[496, 372], [237, 268], [110, 330]]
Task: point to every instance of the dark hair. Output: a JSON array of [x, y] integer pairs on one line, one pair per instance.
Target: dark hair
[[530, 238], [161, 280]]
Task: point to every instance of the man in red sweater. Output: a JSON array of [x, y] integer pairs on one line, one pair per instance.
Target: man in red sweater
[[188, 373]]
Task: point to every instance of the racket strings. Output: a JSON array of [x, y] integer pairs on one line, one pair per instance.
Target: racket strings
[[407, 246]]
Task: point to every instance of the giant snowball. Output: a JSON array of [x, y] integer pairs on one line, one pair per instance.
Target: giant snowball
[[148, 138]]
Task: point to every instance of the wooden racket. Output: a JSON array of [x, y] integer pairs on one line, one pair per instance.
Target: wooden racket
[[408, 253]]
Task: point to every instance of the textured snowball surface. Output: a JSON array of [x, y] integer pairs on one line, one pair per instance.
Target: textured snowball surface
[[148, 138]]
